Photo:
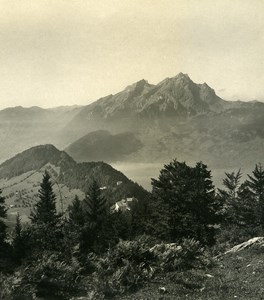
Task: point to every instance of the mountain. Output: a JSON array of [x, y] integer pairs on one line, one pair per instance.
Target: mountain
[[175, 118], [102, 145], [145, 123], [174, 97], [34, 159], [20, 178], [21, 128]]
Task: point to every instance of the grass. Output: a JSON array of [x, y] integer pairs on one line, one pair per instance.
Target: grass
[[234, 276]]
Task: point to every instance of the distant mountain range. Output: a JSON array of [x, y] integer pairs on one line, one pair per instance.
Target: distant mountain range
[[145, 123], [22, 128]]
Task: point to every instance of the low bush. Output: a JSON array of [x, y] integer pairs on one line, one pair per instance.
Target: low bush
[[44, 277], [185, 255]]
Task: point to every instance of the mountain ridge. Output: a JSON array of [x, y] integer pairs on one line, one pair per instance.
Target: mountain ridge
[[174, 118]]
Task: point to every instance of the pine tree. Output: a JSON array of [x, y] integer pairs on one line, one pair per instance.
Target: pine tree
[[205, 205], [18, 240], [256, 185], [232, 182], [94, 204], [45, 209], [229, 196], [186, 197], [96, 212], [246, 209], [46, 232], [76, 214], [2, 215], [256, 181]]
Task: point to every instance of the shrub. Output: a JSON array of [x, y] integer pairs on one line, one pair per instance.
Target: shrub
[[124, 268], [45, 277], [185, 255]]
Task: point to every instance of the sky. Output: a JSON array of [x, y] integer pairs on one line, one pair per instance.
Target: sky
[[65, 52]]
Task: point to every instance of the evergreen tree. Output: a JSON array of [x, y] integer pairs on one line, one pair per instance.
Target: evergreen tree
[[95, 234], [45, 209], [46, 232], [246, 209], [186, 197], [94, 205], [232, 183], [18, 240], [256, 185], [74, 227], [2, 215], [205, 205], [76, 214], [229, 196]]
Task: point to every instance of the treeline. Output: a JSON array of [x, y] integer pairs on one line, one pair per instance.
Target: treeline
[[96, 251]]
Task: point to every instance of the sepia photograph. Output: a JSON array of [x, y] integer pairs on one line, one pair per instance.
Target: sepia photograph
[[132, 149]]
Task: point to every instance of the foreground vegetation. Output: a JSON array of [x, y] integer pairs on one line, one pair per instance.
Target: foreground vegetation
[[167, 246]]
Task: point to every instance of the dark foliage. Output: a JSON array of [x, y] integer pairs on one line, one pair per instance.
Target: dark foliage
[[187, 202], [19, 241], [45, 209], [76, 214], [256, 185], [2, 215]]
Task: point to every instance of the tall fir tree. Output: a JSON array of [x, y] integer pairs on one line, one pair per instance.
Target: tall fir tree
[[45, 209], [246, 209], [76, 214], [46, 232], [2, 216], [256, 184], [74, 228], [18, 241], [95, 233], [95, 206], [229, 196], [186, 198]]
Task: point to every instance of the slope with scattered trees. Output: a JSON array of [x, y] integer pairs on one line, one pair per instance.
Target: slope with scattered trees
[[172, 237]]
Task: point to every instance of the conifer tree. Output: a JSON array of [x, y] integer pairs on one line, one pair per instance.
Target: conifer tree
[[2, 215], [246, 209], [45, 209], [94, 204], [186, 198], [76, 214], [95, 233], [229, 196], [46, 232], [18, 241], [256, 185]]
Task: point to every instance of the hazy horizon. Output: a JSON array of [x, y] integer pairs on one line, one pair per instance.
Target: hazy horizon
[[57, 53]]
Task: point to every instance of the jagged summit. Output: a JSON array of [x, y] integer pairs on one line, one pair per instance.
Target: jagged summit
[[140, 83], [177, 95], [182, 76], [138, 88]]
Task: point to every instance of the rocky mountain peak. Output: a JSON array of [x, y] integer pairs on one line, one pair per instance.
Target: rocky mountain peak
[[138, 87], [182, 76]]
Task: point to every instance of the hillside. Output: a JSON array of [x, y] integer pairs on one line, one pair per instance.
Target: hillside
[[237, 274], [21, 175], [102, 145]]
